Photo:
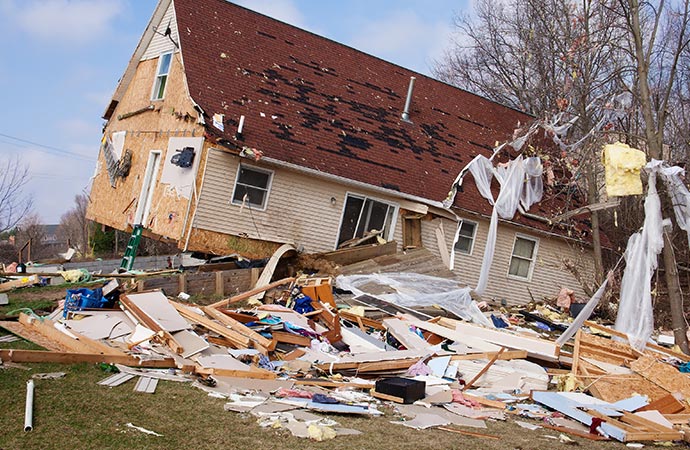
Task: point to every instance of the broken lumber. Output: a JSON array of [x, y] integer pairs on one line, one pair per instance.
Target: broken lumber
[[236, 338], [246, 295], [484, 369], [649, 345], [42, 356], [151, 324], [24, 281], [239, 327]]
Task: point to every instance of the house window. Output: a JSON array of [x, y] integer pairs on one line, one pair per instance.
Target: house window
[[252, 186], [466, 237], [161, 76], [523, 257], [362, 215]]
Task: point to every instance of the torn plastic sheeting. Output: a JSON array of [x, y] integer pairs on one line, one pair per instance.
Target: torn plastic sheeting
[[635, 315], [419, 290], [584, 315], [680, 196]]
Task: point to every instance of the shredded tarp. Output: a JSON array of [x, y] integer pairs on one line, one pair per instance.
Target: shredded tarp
[[521, 186], [583, 316], [635, 312], [680, 196], [412, 289]]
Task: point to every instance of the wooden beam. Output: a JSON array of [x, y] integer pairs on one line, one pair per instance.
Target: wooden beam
[[503, 356], [41, 356], [238, 339], [255, 373], [83, 344], [390, 398], [289, 338], [246, 295], [578, 433], [239, 327], [649, 345], [25, 280]]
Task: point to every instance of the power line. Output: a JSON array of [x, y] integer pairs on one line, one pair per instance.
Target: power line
[[49, 147]]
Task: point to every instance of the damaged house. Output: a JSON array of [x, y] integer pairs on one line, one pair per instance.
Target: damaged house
[[232, 132]]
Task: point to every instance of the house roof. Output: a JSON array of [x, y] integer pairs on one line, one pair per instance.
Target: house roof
[[313, 102]]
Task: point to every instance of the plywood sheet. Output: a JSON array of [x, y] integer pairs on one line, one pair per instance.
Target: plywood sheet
[[663, 375], [155, 305], [190, 342]]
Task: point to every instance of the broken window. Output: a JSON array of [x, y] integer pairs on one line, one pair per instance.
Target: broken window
[[362, 215], [164, 61], [252, 186], [466, 237], [523, 257]]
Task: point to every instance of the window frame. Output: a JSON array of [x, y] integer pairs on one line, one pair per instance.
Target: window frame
[[156, 86], [254, 207], [532, 261], [364, 198], [473, 238]]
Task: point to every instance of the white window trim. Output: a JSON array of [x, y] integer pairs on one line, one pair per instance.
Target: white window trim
[[268, 188], [474, 237], [394, 220], [533, 261], [148, 187], [158, 75]]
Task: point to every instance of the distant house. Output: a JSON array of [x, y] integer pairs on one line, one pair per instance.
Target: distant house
[[232, 132]]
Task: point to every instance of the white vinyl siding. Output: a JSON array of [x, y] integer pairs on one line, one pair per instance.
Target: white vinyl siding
[[160, 43]]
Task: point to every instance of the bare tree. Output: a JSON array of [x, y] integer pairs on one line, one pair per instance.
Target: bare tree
[[30, 237], [14, 204], [74, 226], [544, 57], [660, 38]]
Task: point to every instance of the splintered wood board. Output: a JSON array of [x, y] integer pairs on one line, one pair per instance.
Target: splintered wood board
[[612, 388], [663, 375], [37, 338], [401, 331], [606, 350]]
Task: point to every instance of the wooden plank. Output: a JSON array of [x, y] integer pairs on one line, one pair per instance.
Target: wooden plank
[[390, 398], [469, 433], [238, 326], [220, 285], [484, 369], [269, 268], [238, 339], [667, 404], [345, 257], [485, 401], [246, 295], [28, 280], [370, 366], [31, 335], [366, 321], [503, 356], [649, 345], [653, 436], [289, 338], [333, 384], [257, 373], [401, 331], [41, 356], [678, 419], [642, 423], [46, 327]]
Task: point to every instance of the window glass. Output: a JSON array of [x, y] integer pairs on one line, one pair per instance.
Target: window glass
[[164, 62], [466, 237], [252, 184], [522, 258], [362, 215]]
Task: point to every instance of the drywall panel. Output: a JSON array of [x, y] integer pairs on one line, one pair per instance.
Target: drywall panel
[[181, 179]]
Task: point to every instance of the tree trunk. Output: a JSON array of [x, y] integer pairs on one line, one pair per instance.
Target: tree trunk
[[675, 296]]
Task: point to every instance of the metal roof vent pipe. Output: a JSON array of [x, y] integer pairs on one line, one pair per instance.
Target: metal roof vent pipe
[[406, 111]]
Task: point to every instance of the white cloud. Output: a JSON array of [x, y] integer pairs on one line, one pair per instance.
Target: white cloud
[[404, 38], [283, 10], [62, 21]]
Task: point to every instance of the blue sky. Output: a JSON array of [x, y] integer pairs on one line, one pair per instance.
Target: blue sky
[[60, 61]]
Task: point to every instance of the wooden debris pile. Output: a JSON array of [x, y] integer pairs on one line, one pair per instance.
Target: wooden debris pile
[[303, 350]]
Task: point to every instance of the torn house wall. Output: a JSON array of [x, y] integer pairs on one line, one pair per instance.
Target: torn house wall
[[172, 117], [549, 273], [181, 179]]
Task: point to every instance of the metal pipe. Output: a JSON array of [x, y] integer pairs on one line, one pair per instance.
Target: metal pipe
[[29, 411], [241, 125], [406, 111]]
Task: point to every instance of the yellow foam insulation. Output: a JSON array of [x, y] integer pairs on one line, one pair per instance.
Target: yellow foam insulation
[[622, 165]]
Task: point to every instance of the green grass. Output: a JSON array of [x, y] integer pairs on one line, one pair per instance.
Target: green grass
[[75, 413]]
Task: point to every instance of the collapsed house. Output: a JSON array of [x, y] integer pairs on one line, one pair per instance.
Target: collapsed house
[[231, 132]]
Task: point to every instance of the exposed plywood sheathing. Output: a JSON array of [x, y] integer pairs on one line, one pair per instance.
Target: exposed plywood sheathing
[[223, 244]]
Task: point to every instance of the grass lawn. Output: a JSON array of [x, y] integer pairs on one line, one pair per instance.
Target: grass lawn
[[75, 413]]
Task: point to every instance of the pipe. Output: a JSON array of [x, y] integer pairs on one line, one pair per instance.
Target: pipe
[[29, 411], [406, 111], [240, 126]]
